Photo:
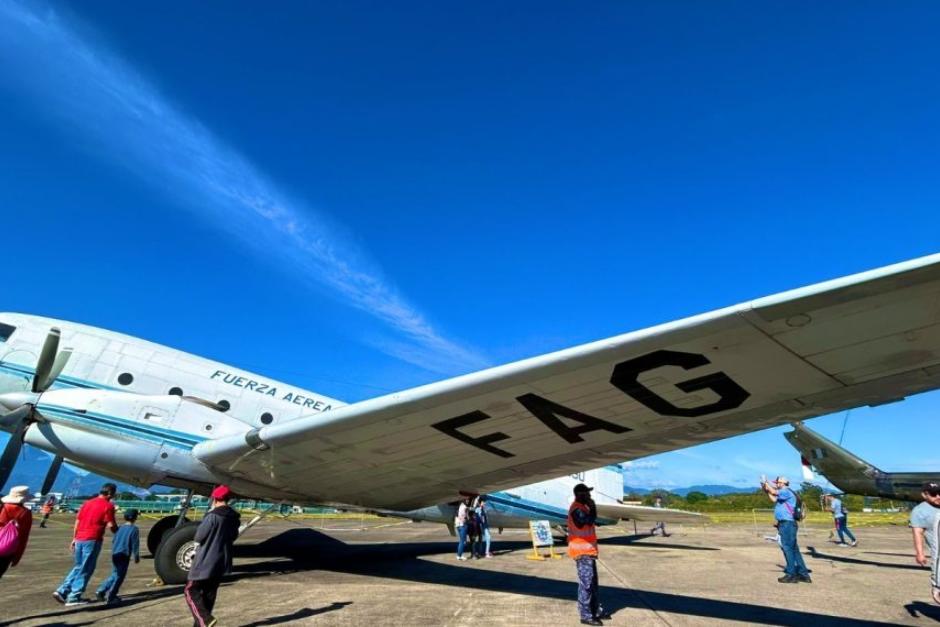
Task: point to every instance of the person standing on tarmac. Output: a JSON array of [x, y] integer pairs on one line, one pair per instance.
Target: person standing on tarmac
[[925, 525], [661, 526], [16, 521], [47, 510], [94, 516], [582, 548], [216, 534], [786, 504], [840, 517]]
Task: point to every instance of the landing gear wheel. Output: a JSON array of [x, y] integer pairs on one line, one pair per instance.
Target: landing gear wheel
[[175, 554], [159, 530]]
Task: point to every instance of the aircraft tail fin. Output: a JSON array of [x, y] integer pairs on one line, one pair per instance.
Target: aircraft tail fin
[[841, 467]]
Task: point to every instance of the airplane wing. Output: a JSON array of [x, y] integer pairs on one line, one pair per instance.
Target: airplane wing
[[865, 339], [642, 513]]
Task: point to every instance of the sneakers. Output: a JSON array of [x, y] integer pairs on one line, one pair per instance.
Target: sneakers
[[77, 603], [788, 579], [58, 597], [489, 555], [461, 558], [590, 621], [100, 596], [854, 543], [804, 579]]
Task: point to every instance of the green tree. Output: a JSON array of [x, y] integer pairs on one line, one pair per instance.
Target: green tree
[[812, 496], [696, 497]]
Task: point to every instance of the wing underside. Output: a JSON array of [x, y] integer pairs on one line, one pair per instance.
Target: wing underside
[[862, 340], [642, 513]]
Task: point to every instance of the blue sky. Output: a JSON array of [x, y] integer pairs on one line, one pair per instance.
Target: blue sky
[[361, 197]]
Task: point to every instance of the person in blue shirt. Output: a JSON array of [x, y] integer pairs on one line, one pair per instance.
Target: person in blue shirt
[[126, 545], [840, 516], [484, 519], [785, 506], [925, 525]]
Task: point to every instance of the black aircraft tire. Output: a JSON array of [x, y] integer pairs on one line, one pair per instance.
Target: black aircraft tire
[[175, 554], [160, 529]]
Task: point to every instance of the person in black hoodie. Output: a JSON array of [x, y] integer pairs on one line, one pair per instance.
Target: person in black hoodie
[[216, 535]]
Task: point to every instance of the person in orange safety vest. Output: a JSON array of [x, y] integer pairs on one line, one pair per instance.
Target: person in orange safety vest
[[582, 548]]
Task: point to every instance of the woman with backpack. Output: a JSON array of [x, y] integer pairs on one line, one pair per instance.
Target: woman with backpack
[[15, 523]]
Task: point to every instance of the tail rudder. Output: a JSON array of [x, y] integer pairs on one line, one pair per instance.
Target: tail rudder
[[837, 464]]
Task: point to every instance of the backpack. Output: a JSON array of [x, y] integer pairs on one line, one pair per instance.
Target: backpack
[[9, 539], [797, 512]]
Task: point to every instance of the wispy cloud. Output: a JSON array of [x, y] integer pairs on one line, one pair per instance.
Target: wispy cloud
[[78, 81], [640, 464]]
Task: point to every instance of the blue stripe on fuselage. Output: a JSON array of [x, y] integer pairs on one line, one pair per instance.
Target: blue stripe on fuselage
[[103, 422], [123, 426]]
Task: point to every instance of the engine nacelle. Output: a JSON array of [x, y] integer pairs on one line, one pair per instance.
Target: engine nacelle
[[138, 439]]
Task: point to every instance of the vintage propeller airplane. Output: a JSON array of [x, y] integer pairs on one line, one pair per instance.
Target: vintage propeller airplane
[[147, 414]]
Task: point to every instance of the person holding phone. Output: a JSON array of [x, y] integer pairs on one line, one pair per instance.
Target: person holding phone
[[582, 548], [786, 508]]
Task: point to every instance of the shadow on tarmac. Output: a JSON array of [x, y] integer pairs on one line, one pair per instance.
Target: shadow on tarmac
[[918, 609], [311, 550], [637, 540], [853, 560], [299, 614], [127, 602]]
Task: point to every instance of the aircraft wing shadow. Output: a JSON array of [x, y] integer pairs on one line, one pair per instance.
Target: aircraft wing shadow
[[311, 550]]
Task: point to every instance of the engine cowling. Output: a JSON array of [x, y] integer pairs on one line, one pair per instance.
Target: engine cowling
[[139, 439]]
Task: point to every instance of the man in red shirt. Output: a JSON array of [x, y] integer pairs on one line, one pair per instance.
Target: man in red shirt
[[94, 516]]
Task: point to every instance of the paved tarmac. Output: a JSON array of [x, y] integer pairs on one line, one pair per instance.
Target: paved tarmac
[[385, 572]]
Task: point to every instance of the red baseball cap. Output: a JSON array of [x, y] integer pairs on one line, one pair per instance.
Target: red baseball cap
[[222, 493]]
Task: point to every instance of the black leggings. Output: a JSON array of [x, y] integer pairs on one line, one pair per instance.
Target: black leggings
[[200, 598]]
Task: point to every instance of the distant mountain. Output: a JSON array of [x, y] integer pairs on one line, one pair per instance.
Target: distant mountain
[[31, 468], [710, 490]]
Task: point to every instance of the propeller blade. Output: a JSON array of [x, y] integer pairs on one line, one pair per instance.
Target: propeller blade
[[51, 475], [61, 359], [47, 357], [11, 452], [16, 416]]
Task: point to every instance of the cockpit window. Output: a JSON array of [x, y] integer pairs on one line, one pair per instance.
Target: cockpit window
[[6, 331]]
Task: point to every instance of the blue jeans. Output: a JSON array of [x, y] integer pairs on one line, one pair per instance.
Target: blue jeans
[[110, 586], [486, 539], [461, 539], [842, 527], [86, 557], [791, 550]]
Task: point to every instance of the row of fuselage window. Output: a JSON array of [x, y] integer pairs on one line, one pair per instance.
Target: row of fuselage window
[[126, 378]]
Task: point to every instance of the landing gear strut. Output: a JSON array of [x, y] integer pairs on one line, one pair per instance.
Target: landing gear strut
[[167, 524], [174, 556]]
